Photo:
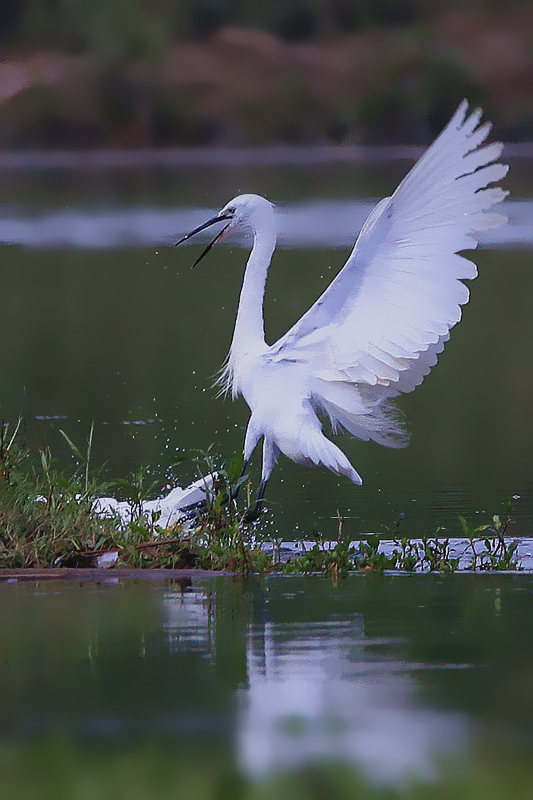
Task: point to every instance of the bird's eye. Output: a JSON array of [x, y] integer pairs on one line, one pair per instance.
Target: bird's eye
[[231, 210]]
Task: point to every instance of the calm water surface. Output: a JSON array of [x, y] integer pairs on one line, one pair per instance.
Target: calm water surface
[[115, 329], [390, 674]]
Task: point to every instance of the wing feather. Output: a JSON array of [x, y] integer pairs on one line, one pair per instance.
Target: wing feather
[[385, 318]]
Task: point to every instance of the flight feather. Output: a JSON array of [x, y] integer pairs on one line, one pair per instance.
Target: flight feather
[[386, 316]]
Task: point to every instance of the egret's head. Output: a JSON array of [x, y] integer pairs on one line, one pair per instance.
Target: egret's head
[[244, 210]]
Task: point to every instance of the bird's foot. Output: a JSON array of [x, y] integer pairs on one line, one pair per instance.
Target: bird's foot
[[192, 511], [253, 513]]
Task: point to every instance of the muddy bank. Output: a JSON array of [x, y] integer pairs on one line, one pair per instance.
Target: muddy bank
[[106, 575]]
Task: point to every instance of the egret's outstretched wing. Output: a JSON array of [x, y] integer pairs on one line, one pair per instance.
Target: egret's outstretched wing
[[387, 314]]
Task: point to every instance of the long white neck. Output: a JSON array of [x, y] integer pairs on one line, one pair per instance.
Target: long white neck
[[249, 332]]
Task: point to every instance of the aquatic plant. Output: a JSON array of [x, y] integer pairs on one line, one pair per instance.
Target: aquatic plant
[[498, 552]]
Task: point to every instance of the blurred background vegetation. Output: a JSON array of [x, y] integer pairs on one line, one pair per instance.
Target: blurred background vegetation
[[152, 73]]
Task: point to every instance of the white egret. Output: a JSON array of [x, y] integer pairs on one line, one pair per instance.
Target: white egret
[[378, 328]]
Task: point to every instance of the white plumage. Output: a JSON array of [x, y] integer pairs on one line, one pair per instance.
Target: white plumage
[[378, 328]]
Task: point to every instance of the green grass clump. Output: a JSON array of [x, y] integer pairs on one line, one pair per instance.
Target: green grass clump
[[43, 513], [47, 517]]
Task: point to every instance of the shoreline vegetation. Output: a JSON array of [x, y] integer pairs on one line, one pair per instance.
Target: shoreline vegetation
[[86, 76], [48, 520]]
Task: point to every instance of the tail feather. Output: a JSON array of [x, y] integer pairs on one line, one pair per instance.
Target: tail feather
[[320, 450]]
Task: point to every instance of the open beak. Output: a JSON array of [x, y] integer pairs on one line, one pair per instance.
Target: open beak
[[205, 225]]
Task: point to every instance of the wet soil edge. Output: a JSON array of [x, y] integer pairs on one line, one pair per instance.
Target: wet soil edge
[[94, 574]]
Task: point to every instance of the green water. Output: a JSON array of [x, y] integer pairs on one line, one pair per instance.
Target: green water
[[394, 676], [124, 690], [125, 335]]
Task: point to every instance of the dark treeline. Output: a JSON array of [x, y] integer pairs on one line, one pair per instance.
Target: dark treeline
[[149, 73], [142, 28]]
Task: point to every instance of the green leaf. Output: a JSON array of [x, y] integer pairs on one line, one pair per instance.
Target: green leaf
[[239, 483], [234, 469], [465, 526], [373, 541], [72, 446]]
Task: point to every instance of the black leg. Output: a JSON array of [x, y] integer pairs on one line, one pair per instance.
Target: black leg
[[253, 513]]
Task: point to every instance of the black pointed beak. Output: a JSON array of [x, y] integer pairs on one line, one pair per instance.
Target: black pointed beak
[[200, 228]]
